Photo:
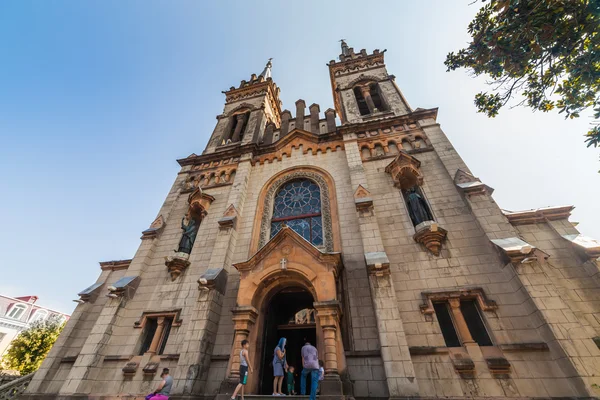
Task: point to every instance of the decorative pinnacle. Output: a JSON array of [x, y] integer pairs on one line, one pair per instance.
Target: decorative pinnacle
[[267, 71], [345, 51]]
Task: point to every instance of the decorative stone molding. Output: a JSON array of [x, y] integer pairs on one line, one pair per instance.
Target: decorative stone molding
[[463, 365], [244, 317], [518, 251], [590, 247], [155, 228], [213, 278], [130, 368], [295, 140], [267, 211], [116, 265], [177, 263], [229, 218], [405, 171], [151, 368], [124, 287], [200, 202], [363, 200], [378, 263], [499, 367], [538, 215], [470, 185], [476, 294], [175, 315], [328, 313], [430, 235]]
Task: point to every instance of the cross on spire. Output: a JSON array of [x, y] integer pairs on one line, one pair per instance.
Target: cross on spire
[[267, 71]]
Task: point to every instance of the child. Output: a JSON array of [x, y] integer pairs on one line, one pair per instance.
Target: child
[[321, 374], [244, 366], [291, 383]]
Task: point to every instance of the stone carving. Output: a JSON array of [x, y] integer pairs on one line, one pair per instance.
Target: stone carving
[[430, 235], [190, 230], [155, 228], [417, 207], [363, 200], [265, 224]]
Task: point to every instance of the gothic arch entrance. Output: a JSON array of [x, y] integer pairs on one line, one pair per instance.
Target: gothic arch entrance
[[288, 313], [287, 273]]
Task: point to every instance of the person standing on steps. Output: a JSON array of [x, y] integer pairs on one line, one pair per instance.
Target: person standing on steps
[[310, 365], [279, 365], [245, 367]]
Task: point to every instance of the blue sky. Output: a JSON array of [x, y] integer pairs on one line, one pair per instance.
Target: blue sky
[[99, 98]]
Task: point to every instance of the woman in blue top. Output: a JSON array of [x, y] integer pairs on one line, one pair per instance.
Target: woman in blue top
[[279, 365]]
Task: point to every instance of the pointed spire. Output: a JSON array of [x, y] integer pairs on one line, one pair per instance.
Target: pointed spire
[[345, 50], [267, 71]]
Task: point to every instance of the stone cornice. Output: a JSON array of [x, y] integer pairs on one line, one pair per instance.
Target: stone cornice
[[388, 122], [538, 215], [114, 265]]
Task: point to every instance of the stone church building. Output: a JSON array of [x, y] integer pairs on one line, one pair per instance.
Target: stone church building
[[359, 229]]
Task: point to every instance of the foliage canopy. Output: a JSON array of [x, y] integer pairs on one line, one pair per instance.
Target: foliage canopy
[[30, 347], [548, 51]]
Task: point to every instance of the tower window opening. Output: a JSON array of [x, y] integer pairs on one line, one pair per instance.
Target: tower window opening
[[363, 108], [376, 96]]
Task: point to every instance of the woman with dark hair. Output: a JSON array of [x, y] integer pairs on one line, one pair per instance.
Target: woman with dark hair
[[279, 365]]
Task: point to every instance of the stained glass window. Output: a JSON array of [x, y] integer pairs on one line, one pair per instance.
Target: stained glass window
[[297, 204]]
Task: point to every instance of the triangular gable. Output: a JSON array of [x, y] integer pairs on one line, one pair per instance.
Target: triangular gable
[[283, 242]]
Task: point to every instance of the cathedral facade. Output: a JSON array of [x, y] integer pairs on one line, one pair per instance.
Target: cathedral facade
[[360, 230]]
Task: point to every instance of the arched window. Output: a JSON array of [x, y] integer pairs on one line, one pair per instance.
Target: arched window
[[375, 91], [17, 311], [39, 315], [363, 108], [297, 204]]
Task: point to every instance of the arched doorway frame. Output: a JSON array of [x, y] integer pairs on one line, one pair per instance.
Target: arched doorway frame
[[264, 275]]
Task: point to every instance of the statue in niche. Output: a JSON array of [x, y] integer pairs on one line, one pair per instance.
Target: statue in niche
[[190, 229], [417, 207]]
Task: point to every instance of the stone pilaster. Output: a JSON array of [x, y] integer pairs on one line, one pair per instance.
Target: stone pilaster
[[194, 360], [92, 352], [399, 370], [244, 319]]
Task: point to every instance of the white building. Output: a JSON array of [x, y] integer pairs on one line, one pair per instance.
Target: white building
[[17, 313]]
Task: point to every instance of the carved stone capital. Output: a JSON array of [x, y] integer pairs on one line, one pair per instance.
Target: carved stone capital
[[430, 235], [244, 317], [177, 263], [329, 313]]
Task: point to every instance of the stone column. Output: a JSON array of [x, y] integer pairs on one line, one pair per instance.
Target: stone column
[[160, 327], [241, 118], [328, 313], [314, 118], [286, 115], [366, 92], [244, 318], [330, 116], [461, 324], [300, 108]]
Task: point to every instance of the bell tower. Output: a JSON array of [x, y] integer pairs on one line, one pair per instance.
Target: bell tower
[[248, 109], [362, 88]]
